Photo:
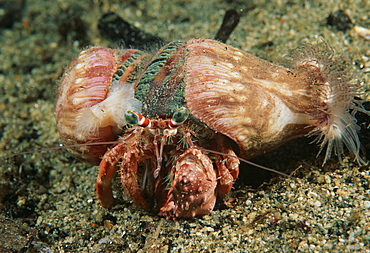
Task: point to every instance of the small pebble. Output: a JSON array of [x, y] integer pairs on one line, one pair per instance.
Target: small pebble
[[340, 20]]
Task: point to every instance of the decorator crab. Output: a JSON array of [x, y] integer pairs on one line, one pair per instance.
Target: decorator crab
[[166, 108]]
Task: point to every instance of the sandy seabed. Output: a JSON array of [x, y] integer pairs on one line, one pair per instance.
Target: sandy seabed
[[47, 199]]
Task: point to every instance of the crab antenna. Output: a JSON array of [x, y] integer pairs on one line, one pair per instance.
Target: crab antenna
[[179, 117], [158, 154]]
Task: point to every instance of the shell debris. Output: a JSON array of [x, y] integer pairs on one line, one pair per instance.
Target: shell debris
[[362, 31]]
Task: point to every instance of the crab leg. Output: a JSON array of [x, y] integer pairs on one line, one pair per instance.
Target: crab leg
[[227, 167], [128, 151], [107, 169], [129, 177]]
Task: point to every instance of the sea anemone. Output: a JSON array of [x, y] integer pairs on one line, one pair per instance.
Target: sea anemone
[[335, 123]]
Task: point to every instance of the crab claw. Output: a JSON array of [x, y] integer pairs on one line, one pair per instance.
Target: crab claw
[[192, 187], [127, 153]]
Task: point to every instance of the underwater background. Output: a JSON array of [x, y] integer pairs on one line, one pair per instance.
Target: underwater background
[[47, 199]]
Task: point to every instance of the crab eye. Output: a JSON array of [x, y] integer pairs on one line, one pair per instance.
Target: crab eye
[[131, 117], [180, 116], [136, 118]]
